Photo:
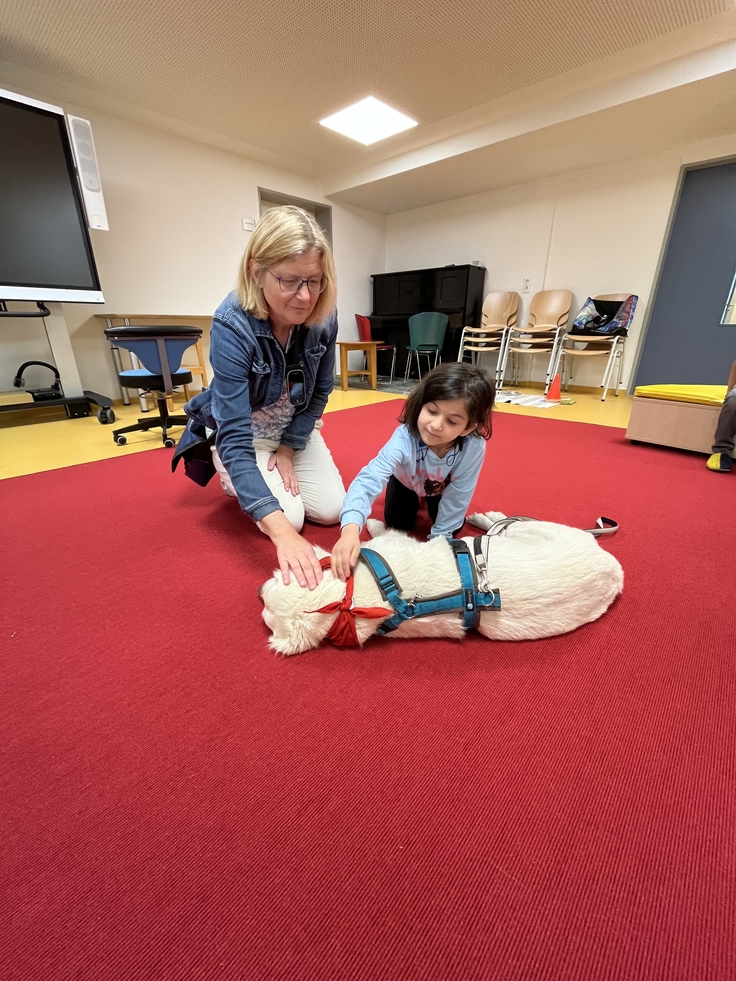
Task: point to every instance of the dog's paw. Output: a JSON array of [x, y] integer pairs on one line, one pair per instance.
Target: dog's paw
[[375, 528], [485, 519]]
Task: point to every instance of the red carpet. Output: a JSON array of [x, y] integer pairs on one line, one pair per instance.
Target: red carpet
[[178, 803]]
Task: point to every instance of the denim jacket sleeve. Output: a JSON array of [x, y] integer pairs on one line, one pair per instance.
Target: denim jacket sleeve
[[319, 358], [235, 358]]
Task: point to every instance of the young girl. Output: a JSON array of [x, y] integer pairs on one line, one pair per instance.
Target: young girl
[[437, 453]]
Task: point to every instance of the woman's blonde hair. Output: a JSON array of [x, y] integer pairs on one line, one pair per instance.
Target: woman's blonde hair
[[283, 233]]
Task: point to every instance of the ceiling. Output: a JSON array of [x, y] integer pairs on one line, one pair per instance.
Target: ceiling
[[490, 82]]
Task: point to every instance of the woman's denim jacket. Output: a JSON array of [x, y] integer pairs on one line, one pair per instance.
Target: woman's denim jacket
[[249, 367]]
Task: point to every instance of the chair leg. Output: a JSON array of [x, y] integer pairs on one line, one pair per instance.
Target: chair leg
[[503, 356], [609, 368], [393, 365], [407, 371], [554, 359], [620, 368], [164, 421]]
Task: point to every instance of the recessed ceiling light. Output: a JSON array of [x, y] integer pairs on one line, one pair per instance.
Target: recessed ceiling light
[[368, 121]]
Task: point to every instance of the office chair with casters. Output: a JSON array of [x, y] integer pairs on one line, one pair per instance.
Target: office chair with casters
[[364, 334], [498, 318], [160, 349], [426, 337]]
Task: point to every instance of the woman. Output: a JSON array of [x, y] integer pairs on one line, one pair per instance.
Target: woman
[[272, 352]]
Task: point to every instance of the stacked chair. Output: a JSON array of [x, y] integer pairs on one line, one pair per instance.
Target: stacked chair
[[498, 319], [599, 331], [548, 317]]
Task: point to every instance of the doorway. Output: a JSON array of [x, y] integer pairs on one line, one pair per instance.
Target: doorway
[[689, 339], [322, 213]]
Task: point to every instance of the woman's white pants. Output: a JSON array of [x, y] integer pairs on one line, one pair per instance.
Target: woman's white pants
[[321, 490]]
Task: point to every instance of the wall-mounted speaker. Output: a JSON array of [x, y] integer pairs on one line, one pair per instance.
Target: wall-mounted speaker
[[89, 174]]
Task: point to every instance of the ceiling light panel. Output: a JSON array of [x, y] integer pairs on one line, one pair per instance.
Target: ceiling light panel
[[368, 121]]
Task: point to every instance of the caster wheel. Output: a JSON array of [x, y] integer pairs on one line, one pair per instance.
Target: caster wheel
[[106, 416], [121, 440], [168, 443]]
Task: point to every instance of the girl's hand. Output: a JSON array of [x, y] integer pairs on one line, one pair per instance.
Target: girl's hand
[[283, 461], [345, 553]]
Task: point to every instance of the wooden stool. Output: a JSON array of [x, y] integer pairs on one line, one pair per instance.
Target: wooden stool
[[369, 349]]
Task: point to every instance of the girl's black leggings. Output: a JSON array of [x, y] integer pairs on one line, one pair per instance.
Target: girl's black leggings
[[402, 505]]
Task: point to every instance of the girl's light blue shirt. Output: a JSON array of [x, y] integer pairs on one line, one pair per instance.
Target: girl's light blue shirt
[[414, 464]]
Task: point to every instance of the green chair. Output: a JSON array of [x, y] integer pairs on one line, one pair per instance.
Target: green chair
[[426, 336]]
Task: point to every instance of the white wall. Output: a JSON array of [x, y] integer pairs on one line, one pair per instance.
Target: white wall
[[175, 208], [600, 231]]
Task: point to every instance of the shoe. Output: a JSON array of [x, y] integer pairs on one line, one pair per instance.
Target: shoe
[[720, 462]]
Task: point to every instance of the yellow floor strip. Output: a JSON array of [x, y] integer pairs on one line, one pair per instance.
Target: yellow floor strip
[[587, 407], [45, 439]]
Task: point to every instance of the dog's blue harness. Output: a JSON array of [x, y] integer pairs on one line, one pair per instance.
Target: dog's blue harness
[[469, 599]]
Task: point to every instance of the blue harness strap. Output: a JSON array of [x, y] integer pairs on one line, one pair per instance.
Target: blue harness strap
[[470, 600]]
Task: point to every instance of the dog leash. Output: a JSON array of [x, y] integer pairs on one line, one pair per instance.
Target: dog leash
[[603, 526]]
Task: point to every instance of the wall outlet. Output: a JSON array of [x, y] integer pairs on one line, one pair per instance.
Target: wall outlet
[[526, 284], [249, 224], [475, 262]]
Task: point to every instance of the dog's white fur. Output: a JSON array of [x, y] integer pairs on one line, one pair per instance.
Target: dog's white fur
[[552, 579]]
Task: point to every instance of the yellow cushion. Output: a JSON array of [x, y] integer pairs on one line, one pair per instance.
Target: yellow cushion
[[702, 394]]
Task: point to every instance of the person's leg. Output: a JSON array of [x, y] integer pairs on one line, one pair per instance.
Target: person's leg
[[320, 484], [433, 506], [401, 507], [293, 507], [225, 482], [720, 459]]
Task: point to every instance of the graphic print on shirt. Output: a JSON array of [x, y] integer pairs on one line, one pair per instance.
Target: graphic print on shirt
[[425, 483], [432, 488]]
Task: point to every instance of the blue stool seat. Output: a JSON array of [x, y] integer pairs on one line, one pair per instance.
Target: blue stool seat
[[141, 378]]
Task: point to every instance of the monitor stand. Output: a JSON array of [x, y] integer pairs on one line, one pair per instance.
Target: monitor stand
[[76, 400]]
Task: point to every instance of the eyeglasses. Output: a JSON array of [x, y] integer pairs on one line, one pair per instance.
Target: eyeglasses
[[292, 284]]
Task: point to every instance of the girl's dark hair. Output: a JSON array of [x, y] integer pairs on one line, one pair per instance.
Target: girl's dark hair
[[446, 382]]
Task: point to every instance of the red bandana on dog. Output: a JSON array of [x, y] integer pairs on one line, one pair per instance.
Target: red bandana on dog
[[343, 632]]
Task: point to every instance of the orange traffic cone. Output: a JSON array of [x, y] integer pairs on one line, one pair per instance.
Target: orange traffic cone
[[554, 394]]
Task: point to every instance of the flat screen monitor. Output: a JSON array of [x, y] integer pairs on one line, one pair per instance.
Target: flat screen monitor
[[45, 248]]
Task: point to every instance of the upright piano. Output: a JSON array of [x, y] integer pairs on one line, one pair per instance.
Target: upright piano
[[454, 290]]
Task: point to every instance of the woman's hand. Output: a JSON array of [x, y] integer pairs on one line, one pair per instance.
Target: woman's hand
[[283, 461], [294, 553], [345, 553]]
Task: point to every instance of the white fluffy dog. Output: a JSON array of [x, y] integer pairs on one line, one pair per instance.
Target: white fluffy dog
[[552, 579]]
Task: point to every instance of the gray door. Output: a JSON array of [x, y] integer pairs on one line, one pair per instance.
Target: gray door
[[686, 343]]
